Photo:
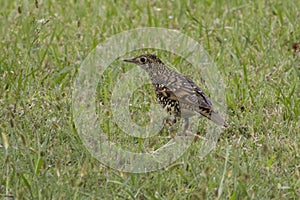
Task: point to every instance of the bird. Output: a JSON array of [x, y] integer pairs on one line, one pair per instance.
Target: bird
[[178, 94]]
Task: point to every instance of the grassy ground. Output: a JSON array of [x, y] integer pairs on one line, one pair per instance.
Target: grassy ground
[[254, 45]]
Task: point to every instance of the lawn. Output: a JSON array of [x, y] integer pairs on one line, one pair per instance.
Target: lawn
[[255, 46]]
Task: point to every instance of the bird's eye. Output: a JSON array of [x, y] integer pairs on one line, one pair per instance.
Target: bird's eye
[[143, 60]]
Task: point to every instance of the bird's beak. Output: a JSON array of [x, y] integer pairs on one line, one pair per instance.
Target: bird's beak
[[132, 60]]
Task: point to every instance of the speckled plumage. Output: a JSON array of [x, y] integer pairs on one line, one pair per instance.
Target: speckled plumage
[[179, 95]]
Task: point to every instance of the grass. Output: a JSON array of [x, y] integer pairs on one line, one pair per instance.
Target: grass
[[43, 45]]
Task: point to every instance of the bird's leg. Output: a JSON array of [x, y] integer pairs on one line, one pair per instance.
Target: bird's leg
[[170, 122], [186, 132], [186, 125]]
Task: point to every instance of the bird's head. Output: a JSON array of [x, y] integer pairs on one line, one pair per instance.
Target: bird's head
[[146, 61]]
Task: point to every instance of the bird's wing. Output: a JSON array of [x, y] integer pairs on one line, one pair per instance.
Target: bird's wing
[[162, 90], [199, 93], [186, 91]]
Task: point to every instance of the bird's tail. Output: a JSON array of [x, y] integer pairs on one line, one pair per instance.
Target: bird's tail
[[213, 116], [216, 118]]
